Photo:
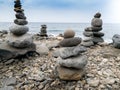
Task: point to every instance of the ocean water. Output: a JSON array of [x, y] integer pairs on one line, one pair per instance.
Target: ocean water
[[57, 28]]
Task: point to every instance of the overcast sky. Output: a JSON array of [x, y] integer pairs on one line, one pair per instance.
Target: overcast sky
[[62, 10]]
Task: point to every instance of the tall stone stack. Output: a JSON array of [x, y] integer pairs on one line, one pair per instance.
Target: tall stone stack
[[71, 63], [18, 41], [93, 34]]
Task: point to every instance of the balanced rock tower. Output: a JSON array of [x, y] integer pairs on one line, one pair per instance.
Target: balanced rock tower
[[93, 34], [18, 42], [70, 62], [43, 31]]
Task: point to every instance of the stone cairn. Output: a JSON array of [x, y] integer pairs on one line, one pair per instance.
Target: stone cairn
[[116, 41], [70, 62], [18, 41], [43, 31], [93, 34]]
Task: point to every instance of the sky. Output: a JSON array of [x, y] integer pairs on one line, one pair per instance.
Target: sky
[[70, 11]]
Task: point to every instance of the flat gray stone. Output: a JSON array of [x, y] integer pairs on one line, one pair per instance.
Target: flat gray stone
[[67, 52], [93, 29], [20, 22], [97, 40], [10, 52], [20, 42], [20, 16], [98, 34], [69, 42], [18, 30], [78, 62]]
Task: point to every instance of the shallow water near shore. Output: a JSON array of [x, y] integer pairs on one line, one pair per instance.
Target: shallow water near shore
[[56, 28]]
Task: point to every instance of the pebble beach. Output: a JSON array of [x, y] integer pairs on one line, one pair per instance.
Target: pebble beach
[[38, 72]]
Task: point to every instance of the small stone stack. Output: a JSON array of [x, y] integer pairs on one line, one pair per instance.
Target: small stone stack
[[69, 39], [93, 34], [18, 42], [71, 64], [116, 41], [43, 31]]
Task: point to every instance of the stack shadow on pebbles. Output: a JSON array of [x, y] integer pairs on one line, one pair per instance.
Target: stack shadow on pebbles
[[92, 34], [18, 42], [70, 62]]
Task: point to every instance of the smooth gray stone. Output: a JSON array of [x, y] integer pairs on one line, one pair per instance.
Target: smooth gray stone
[[98, 34], [96, 22], [20, 16], [78, 62], [20, 42], [69, 42], [20, 22], [97, 40], [67, 52], [116, 41], [93, 29], [18, 30]]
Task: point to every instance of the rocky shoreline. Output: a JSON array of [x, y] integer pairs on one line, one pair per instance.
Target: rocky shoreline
[[38, 72]]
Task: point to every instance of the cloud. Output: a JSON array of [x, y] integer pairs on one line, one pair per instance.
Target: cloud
[[63, 10]]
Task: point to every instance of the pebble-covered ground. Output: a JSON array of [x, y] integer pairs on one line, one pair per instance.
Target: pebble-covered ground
[[38, 72]]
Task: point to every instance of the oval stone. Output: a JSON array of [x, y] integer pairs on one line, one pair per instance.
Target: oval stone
[[69, 34], [18, 30]]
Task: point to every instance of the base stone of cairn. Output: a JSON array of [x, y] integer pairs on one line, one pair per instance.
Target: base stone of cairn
[[70, 62], [93, 34], [43, 31], [18, 42], [116, 41]]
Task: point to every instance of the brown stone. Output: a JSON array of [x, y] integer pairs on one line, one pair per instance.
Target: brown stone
[[69, 73], [69, 33]]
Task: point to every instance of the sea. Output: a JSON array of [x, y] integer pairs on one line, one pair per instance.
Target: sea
[[109, 29]]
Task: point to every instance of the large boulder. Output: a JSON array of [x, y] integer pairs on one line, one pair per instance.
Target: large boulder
[[20, 42], [69, 74], [78, 62], [69, 42], [8, 52], [67, 52], [69, 34], [18, 30], [116, 41], [96, 22]]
